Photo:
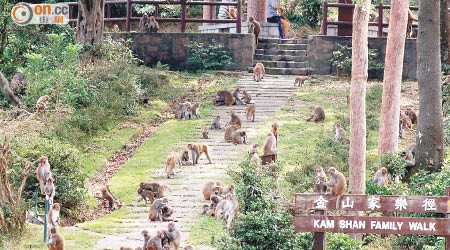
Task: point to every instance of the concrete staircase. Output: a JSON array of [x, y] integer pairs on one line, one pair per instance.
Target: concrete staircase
[[282, 56]]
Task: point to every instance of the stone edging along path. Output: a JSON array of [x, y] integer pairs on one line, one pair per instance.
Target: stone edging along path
[[269, 96]]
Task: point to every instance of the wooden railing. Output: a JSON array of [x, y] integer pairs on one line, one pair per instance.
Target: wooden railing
[[380, 23], [183, 20]]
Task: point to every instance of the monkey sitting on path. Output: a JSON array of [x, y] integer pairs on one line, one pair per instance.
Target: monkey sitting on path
[[258, 72], [216, 123], [224, 97], [197, 150]]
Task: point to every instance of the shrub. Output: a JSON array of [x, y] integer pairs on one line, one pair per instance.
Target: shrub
[[212, 56], [342, 242], [342, 60], [306, 12], [394, 164], [391, 189]]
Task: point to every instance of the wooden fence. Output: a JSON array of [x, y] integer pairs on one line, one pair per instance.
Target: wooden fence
[[183, 20]]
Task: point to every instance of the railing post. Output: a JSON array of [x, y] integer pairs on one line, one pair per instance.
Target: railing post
[[156, 10], [45, 220], [325, 18], [447, 238], [108, 8], [128, 22], [380, 20], [238, 17], [320, 240], [183, 15]]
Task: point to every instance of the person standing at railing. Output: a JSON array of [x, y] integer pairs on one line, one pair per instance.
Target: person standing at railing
[[273, 16], [226, 11]]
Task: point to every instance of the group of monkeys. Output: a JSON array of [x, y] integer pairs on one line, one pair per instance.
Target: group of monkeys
[[148, 25], [163, 240], [221, 207]]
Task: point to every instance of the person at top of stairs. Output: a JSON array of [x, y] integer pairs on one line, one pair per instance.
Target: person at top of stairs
[[273, 15]]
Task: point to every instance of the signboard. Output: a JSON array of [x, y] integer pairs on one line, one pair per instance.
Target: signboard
[[377, 225], [378, 203]]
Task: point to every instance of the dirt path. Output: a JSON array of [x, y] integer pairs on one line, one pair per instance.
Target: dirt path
[[269, 96]]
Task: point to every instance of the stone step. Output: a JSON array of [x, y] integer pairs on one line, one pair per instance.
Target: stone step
[[281, 52], [282, 64], [285, 71], [283, 41], [282, 46], [300, 58]]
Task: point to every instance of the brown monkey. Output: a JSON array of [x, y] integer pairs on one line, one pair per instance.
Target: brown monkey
[[337, 184], [225, 190], [321, 177], [300, 80], [143, 24], [270, 145], [49, 190], [406, 122], [258, 72], [412, 115], [158, 189], [446, 80], [174, 236], [253, 153], [171, 160], [205, 133], [251, 109], [227, 209], [224, 97], [381, 177], [211, 188], [197, 150], [183, 111], [400, 129], [195, 109], [43, 172], [234, 119], [145, 194], [146, 238], [236, 97], [53, 217], [340, 132], [166, 212], [216, 123], [154, 213], [41, 104], [153, 25], [56, 240], [126, 248], [239, 137], [247, 97], [209, 210], [410, 153], [185, 158], [318, 116], [155, 243], [254, 28], [229, 132], [106, 195], [116, 28], [411, 19]]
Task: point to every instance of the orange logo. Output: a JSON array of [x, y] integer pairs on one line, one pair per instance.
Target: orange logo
[[24, 13]]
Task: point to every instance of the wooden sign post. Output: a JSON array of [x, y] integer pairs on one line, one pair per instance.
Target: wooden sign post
[[320, 222]]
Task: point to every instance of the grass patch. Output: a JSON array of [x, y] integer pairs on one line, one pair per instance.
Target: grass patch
[[109, 224], [205, 229]]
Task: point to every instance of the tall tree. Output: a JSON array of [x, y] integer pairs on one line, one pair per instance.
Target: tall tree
[[257, 9], [90, 21], [357, 157], [430, 132], [390, 106], [446, 26]]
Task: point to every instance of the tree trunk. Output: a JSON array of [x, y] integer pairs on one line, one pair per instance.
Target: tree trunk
[[209, 12], [446, 24], [257, 9], [429, 137], [390, 107], [90, 21], [9, 94]]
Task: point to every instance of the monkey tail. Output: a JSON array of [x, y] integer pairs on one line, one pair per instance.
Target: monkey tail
[[115, 198], [338, 202]]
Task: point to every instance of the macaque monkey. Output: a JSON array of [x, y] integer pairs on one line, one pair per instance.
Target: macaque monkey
[[216, 123], [321, 177], [209, 209], [41, 104], [225, 190], [247, 97], [253, 153], [154, 213], [56, 240], [270, 145], [406, 122], [446, 80], [236, 97], [53, 217], [410, 153], [185, 158], [183, 111], [211, 188], [195, 108], [381, 177], [318, 116], [197, 150], [412, 115], [239, 137], [300, 80], [188, 248], [234, 119], [411, 19], [229, 132], [49, 190], [174, 236], [224, 97], [205, 133], [155, 243], [340, 132], [116, 28], [258, 72], [232, 14], [126, 248], [146, 238], [254, 28], [251, 109], [107, 195], [227, 209], [143, 24], [145, 194], [400, 129], [171, 160], [337, 184], [153, 25], [43, 172], [158, 189], [166, 212]]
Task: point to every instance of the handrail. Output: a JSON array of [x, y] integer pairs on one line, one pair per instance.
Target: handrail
[[37, 214]]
